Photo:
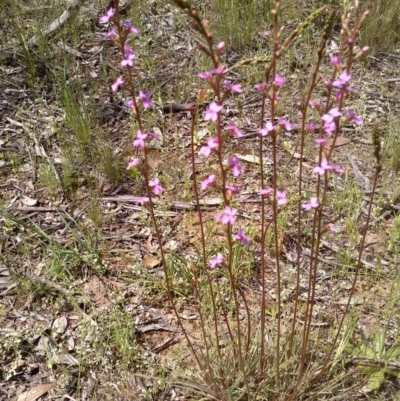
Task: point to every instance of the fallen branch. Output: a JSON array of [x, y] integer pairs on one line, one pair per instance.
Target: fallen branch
[[376, 362], [172, 204]]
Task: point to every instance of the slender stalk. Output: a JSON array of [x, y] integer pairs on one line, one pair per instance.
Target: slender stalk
[[263, 236], [149, 193], [274, 186], [263, 228], [203, 240], [314, 80], [355, 278]]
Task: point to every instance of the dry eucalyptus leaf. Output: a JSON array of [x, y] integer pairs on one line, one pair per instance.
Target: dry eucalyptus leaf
[[27, 201], [202, 132], [60, 324], [154, 162], [39, 268], [150, 261], [189, 317], [334, 47], [295, 154], [340, 141], [355, 300], [71, 344], [159, 135], [34, 393], [149, 246], [249, 159], [68, 359]]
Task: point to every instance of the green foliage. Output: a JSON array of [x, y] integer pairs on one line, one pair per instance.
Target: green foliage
[[382, 33], [239, 22]]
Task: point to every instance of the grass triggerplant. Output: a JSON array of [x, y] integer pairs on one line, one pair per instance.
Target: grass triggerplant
[[249, 356]]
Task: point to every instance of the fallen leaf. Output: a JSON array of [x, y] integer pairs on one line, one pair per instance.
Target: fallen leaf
[[153, 162], [250, 159], [34, 393], [60, 324], [340, 141], [371, 238], [27, 201], [201, 133], [150, 261], [68, 359], [160, 138], [334, 47], [155, 327], [355, 300], [148, 243], [295, 154]]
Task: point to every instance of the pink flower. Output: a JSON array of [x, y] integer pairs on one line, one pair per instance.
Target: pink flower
[[237, 169], [357, 120], [154, 136], [285, 124], [142, 201], [279, 81], [129, 55], [344, 78], [323, 167], [265, 192], [261, 87], [329, 119], [157, 188], [139, 141], [220, 46], [207, 74], [314, 104], [133, 163], [364, 50], [146, 99], [233, 87], [319, 142], [231, 190], [337, 169], [130, 104], [269, 127], [335, 60], [119, 82], [313, 204], [331, 115], [212, 112], [212, 143], [329, 127], [281, 198], [130, 28], [311, 127], [227, 217], [129, 50], [111, 34], [128, 60], [218, 260], [242, 237], [108, 17], [236, 130], [220, 70], [208, 181]]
